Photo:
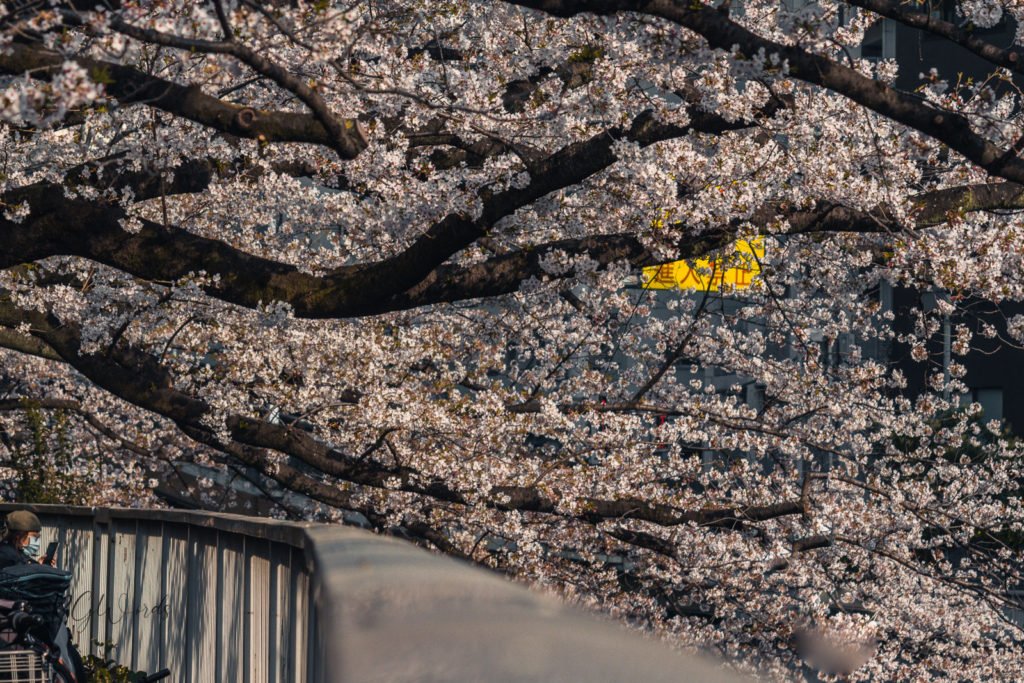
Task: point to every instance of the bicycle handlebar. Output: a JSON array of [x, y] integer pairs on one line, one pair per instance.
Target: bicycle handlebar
[[23, 621]]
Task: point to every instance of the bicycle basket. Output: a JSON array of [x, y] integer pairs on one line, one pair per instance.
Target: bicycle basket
[[24, 666]]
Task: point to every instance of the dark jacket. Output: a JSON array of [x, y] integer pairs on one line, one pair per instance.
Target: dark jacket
[[10, 556]]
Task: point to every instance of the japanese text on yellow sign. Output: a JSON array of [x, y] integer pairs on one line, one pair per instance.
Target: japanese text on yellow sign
[[738, 270]]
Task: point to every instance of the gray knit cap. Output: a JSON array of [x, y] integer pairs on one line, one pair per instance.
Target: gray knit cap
[[23, 520]]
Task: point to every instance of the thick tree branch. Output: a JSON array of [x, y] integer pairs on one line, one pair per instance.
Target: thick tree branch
[[131, 86], [346, 136], [504, 273], [720, 32], [76, 227], [189, 177], [57, 226], [15, 341]]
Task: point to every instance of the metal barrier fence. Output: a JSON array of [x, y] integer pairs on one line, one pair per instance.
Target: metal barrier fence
[[221, 598]]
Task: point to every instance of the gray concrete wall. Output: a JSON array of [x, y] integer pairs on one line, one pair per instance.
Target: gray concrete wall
[[223, 598]]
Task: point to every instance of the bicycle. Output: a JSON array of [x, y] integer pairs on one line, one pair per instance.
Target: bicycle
[[27, 652], [30, 652]]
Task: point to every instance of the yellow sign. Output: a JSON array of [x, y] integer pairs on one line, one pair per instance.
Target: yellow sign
[[737, 270]]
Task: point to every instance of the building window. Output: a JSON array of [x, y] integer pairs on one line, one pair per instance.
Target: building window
[[941, 10], [991, 400]]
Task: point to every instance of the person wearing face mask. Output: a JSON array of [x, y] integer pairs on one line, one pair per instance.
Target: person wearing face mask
[[19, 547], [21, 543]]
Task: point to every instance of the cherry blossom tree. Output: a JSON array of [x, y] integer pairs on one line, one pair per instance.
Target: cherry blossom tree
[[389, 255]]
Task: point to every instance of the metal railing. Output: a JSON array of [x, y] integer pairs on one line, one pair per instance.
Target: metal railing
[[221, 598]]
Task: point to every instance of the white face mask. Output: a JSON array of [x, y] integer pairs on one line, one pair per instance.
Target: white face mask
[[32, 549]]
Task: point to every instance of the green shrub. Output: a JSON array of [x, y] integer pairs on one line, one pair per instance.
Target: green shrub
[[45, 468]]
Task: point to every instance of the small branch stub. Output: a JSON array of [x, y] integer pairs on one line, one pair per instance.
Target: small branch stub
[[245, 118]]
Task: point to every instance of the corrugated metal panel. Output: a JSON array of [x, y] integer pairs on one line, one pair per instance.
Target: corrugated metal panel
[[75, 555], [148, 602], [99, 596], [280, 614], [123, 570], [258, 611], [299, 592], [175, 580], [203, 596], [231, 607]]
